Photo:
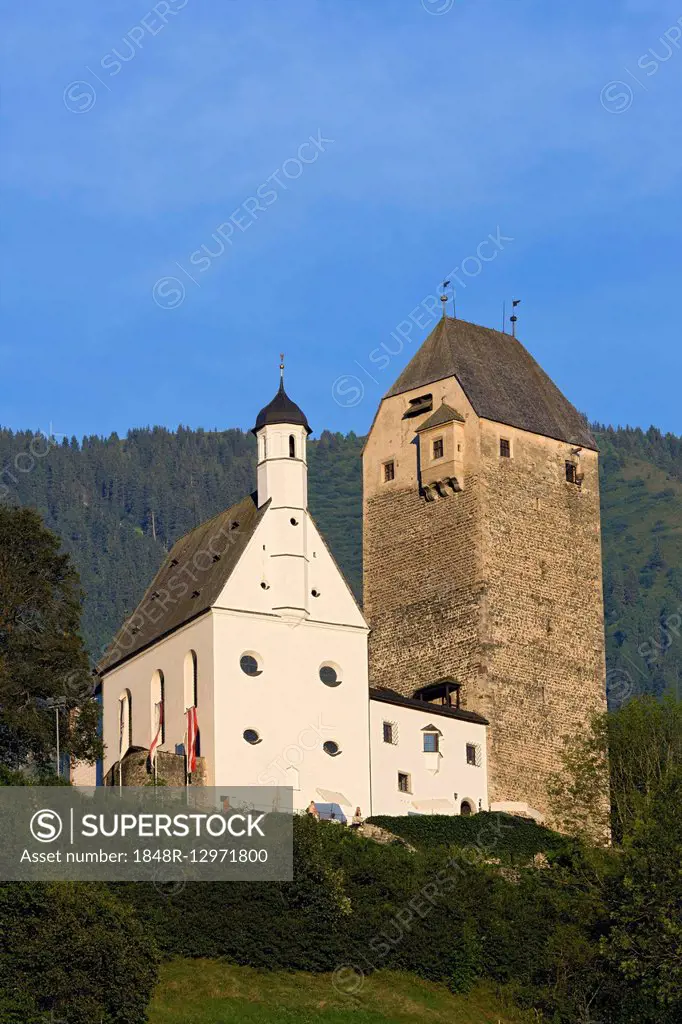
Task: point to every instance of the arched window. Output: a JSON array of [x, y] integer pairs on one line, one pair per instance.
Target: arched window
[[191, 676], [292, 446], [125, 722], [159, 705], [466, 808]]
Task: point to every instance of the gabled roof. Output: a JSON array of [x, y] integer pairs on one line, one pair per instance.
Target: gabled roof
[[445, 414], [189, 582], [499, 377]]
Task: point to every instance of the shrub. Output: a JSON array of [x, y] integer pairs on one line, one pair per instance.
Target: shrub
[[72, 952]]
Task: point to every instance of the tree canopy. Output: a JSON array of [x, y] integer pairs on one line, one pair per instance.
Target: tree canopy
[[43, 660]]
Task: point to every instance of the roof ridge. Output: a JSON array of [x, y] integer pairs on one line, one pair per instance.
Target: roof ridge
[[501, 379]]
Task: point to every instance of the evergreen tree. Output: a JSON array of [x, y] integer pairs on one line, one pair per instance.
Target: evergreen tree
[[42, 656]]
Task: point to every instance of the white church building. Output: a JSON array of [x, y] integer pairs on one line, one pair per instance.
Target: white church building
[[250, 621]]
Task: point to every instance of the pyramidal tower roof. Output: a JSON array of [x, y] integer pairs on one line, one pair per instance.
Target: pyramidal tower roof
[[499, 377]]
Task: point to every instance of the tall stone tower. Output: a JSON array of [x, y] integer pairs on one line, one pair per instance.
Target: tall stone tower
[[482, 550]]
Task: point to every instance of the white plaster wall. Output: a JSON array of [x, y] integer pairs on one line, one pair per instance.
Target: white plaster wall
[[288, 705], [290, 708], [454, 775], [136, 675], [280, 477]]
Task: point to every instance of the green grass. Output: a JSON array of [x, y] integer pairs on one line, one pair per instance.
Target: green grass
[[213, 992]]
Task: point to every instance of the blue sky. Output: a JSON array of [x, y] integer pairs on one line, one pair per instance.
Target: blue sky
[[133, 136]]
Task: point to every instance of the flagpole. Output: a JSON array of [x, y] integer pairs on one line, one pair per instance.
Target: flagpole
[[186, 755], [120, 747]]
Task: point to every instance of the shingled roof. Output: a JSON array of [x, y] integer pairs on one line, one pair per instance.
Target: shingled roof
[[189, 582], [499, 377], [444, 414]]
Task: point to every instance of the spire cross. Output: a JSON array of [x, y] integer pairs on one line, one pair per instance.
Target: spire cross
[[281, 369]]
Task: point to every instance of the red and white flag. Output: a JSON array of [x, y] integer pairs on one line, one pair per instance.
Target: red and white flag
[[192, 730], [159, 732]]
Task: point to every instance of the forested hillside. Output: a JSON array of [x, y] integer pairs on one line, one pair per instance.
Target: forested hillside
[[118, 504]]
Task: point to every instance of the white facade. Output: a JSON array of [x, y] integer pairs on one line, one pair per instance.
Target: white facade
[[277, 668], [431, 781]]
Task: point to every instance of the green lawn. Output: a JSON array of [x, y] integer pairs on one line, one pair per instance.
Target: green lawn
[[212, 992]]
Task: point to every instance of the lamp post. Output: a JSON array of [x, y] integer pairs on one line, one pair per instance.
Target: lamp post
[[57, 703]]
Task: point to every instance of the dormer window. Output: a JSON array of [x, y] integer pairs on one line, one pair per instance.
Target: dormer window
[[438, 450], [292, 446]]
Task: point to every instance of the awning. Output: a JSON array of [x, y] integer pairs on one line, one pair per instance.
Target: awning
[[330, 797], [433, 806]]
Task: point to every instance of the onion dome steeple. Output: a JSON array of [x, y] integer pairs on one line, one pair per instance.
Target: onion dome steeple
[[281, 409]]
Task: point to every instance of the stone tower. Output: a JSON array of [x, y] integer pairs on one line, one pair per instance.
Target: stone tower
[[482, 550]]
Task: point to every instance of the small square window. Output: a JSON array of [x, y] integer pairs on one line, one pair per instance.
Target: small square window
[[389, 471], [430, 742], [571, 472], [388, 732], [474, 754], [404, 782], [438, 448], [505, 448]]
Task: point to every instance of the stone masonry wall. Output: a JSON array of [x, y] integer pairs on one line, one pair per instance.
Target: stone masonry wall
[[542, 621], [170, 770], [422, 562], [422, 589], [498, 586]]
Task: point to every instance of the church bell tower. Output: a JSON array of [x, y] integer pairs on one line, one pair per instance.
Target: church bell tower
[[282, 431]]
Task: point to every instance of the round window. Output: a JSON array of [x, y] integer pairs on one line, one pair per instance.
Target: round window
[[330, 675], [250, 664], [331, 748], [251, 736]]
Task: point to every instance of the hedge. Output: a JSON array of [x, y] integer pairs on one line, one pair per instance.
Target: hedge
[[487, 835]]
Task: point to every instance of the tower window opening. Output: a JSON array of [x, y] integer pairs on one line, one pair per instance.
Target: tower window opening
[[505, 448], [438, 448], [389, 472], [292, 446], [571, 473], [417, 406], [389, 733], [404, 783]]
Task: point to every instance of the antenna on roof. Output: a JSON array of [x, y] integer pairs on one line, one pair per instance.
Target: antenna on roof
[[513, 318], [444, 299], [281, 369]]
